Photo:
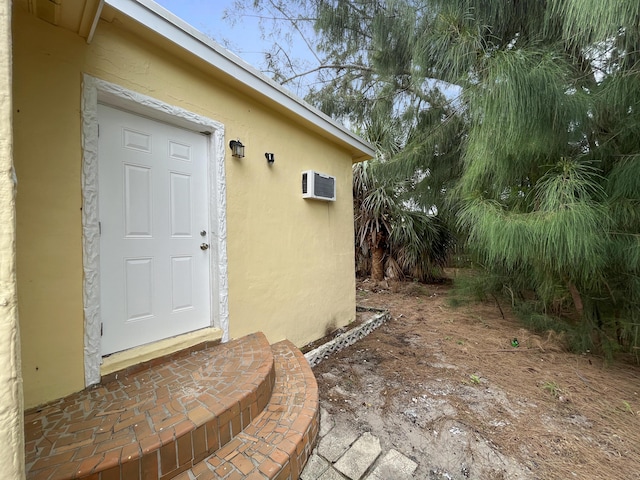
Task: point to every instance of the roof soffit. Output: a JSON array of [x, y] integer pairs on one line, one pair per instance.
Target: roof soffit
[[79, 16]]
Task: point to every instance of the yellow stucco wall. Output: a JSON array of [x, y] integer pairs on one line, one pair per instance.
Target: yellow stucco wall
[[290, 260]]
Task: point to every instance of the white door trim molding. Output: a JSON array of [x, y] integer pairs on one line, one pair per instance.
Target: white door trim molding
[[95, 90]]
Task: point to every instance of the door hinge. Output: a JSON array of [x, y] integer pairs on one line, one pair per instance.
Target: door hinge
[[99, 228], [101, 329], [98, 130]]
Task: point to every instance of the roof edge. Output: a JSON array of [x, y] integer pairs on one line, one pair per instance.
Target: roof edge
[[176, 30]]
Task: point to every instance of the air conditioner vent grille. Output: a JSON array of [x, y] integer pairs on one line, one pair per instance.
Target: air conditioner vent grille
[[324, 187]]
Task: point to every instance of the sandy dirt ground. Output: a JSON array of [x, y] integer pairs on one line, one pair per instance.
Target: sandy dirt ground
[[447, 387]]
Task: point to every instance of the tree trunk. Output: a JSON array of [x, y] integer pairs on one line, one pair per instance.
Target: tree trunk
[[377, 263], [577, 299]]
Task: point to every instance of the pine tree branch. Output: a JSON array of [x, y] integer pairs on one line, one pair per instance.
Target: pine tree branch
[[328, 67], [294, 23]]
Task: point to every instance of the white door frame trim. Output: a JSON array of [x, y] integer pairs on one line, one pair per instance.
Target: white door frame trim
[[95, 90]]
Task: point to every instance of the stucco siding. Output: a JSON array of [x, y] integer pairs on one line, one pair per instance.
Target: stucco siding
[[47, 63], [11, 419], [290, 261]]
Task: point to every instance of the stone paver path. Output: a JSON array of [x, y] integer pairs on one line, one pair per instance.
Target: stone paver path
[[344, 454]]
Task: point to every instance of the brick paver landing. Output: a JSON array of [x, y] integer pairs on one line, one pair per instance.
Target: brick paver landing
[[280, 440], [154, 423]]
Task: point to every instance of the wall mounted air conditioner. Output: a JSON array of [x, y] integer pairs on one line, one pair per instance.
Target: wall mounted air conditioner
[[318, 186]]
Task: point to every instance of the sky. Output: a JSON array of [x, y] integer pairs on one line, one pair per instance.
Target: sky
[[241, 35], [243, 38]]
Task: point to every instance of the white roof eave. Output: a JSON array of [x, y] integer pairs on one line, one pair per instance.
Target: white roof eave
[[174, 29]]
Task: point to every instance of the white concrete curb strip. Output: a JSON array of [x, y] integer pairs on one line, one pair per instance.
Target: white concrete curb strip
[[314, 357]]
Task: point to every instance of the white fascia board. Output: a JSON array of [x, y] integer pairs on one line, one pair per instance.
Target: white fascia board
[[174, 29]]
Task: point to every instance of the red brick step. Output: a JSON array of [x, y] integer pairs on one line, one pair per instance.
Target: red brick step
[[279, 441], [152, 423]]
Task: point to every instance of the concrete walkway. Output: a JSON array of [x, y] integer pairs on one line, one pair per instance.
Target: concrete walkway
[[342, 453]]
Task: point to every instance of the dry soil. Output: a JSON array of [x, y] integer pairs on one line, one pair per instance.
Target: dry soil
[[446, 387]]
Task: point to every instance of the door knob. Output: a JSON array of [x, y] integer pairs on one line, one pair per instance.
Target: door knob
[[204, 246]]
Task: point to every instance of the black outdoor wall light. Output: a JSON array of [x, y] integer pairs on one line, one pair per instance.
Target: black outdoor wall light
[[271, 157], [237, 148]]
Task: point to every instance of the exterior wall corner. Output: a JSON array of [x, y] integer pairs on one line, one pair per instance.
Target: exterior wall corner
[[11, 399]]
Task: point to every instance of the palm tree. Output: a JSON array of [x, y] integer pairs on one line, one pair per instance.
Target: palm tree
[[392, 237]]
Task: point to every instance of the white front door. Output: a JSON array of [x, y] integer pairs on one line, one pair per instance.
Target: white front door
[[154, 230]]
